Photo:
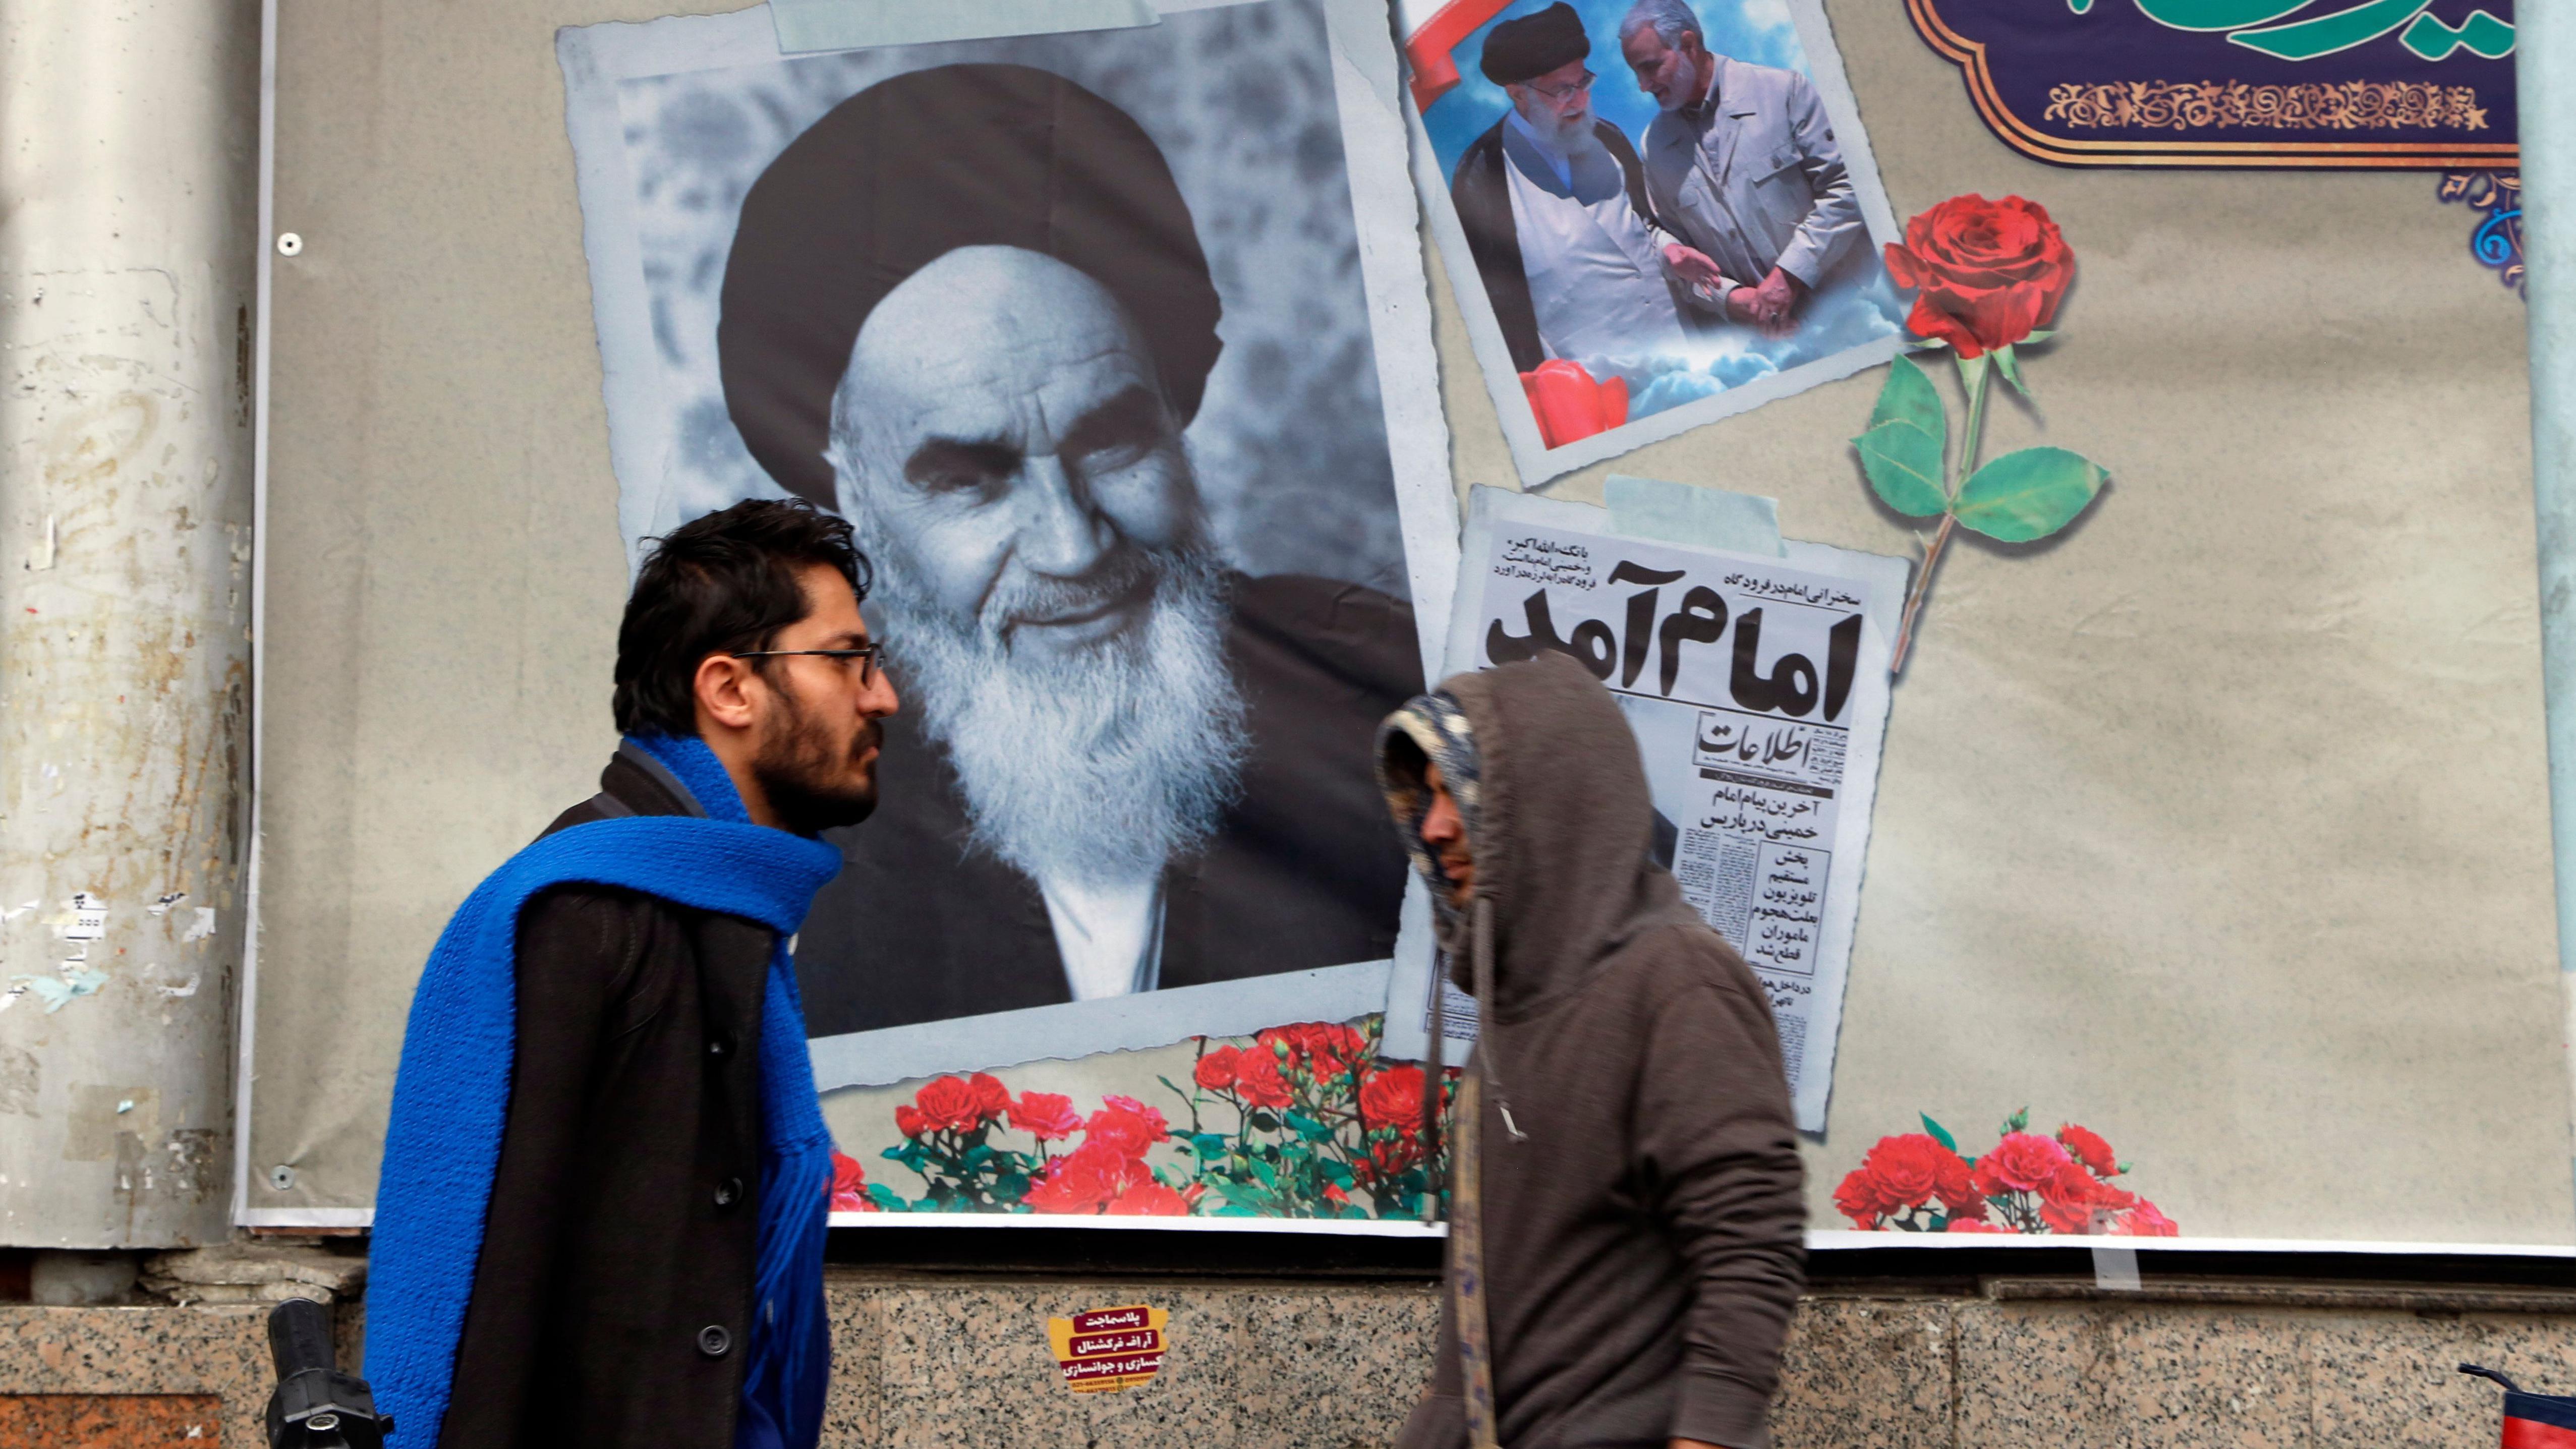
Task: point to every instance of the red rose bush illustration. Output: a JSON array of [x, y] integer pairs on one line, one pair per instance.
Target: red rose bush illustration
[[1988, 277], [1298, 1121], [1918, 1182]]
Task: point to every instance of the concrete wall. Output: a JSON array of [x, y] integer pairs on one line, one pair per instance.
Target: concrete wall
[[2015, 1364]]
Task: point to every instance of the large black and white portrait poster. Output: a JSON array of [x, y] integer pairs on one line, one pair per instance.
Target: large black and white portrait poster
[[1113, 345]]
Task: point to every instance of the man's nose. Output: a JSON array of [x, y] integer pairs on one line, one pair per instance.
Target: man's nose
[[880, 699], [1060, 532]]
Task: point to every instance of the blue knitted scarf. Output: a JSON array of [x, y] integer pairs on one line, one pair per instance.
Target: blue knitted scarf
[[451, 1101]]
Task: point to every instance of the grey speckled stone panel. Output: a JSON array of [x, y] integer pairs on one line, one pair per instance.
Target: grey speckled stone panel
[[921, 1363], [202, 1350], [970, 1365], [1331, 1370], [2389, 1379], [1866, 1371]]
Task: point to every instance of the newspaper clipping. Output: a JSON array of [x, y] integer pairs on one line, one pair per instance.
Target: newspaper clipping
[[1757, 688]]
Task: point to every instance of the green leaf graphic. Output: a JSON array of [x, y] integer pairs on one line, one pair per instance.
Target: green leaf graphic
[[1904, 467], [1939, 1133], [2010, 366], [2029, 494], [1909, 397]]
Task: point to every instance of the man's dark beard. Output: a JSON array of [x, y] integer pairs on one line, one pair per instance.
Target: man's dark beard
[[797, 768]]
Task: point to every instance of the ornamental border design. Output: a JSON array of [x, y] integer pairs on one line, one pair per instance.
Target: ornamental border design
[[1970, 57], [2313, 105]]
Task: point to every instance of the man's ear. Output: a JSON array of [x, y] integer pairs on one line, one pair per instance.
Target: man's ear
[[725, 689]]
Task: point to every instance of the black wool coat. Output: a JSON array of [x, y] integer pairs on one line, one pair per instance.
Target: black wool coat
[[612, 1301]]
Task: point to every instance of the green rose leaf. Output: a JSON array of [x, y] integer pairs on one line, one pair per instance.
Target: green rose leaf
[[1263, 1122], [1910, 397], [2029, 494], [1207, 1146], [1939, 1133], [2010, 366], [885, 1198], [1903, 463]]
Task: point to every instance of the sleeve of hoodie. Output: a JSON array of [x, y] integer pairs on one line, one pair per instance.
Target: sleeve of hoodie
[[1715, 1132]]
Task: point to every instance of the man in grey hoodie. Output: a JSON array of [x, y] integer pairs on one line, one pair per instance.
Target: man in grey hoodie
[[1625, 1218]]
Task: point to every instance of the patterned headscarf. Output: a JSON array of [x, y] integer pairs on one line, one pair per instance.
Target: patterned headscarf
[[1435, 725]]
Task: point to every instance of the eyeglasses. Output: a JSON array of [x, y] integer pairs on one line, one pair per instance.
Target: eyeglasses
[[867, 654], [1560, 94]]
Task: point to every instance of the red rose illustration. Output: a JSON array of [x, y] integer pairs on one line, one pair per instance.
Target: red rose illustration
[[850, 1186], [950, 1104], [2144, 1221], [1392, 1098], [1977, 1225], [1124, 1126], [1914, 1169], [2075, 1201], [1216, 1070], [1046, 1116], [2019, 1163], [1084, 1180], [1256, 1076], [1324, 1048], [909, 1121], [991, 1097], [1990, 272], [1149, 1199], [1862, 1198], [2087, 1147]]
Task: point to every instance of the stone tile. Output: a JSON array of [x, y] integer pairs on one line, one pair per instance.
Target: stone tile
[[2029, 1376], [971, 1366], [2123, 1376], [1866, 1371], [110, 1421], [2392, 1378], [1332, 1367], [222, 1351], [850, 1418], [2185, 1378]]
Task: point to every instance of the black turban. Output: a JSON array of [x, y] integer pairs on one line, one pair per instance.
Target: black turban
[[905, 172], [1527, 48]]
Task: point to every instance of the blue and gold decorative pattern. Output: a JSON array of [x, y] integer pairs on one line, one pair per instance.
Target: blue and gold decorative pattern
[[2497, 240]]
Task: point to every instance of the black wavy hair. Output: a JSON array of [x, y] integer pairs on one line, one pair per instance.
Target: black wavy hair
[[724, 582]]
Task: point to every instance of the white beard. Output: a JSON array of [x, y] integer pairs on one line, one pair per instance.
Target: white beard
[[1100, 767]]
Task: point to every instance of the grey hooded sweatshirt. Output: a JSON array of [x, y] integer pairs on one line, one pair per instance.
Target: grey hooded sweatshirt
[[1640, 1181]]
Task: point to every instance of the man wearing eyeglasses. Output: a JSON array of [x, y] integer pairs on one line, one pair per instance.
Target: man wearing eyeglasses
[[1555, 209], [643, 1241]]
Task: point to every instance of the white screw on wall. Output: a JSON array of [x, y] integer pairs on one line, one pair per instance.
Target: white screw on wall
[[288, 244]]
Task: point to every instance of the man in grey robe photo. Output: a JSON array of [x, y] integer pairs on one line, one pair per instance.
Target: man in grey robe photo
[[1742, 165], [969, 309]]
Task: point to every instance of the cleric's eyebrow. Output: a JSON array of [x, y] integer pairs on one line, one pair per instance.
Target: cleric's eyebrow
[[979, 457], [1134, 416]]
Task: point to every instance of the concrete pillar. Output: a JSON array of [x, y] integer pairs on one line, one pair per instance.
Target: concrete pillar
[[2545, 47], [128, 220]]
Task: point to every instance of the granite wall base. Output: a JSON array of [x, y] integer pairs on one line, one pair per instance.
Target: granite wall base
[[2023, 1364]]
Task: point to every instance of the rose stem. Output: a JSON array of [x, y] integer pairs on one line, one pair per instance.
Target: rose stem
[[1949, 517]]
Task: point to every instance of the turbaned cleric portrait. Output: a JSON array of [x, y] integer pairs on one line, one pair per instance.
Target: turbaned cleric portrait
[[971, 309]]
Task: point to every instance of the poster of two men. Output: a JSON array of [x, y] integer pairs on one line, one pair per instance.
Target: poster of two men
[[1669, 205]]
